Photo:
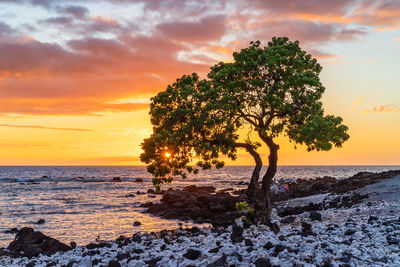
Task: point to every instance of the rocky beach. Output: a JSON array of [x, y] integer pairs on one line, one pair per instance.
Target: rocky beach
[[322, 222]]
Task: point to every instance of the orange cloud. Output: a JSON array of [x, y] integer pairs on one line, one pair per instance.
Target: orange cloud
[[45, 127], [382, 108], [72, 106]]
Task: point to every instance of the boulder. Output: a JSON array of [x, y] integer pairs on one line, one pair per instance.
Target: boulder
[[116, 179], [31, 243], [236, 235], [114, 263], [288, 219], [220, 262], [40, 221], [192, 254], [262, 262], [315, 216], [307, 229]]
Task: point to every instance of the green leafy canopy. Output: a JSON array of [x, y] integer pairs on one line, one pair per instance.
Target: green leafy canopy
[[273, 89]]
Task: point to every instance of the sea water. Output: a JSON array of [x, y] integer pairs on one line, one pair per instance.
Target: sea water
[[82, 203]]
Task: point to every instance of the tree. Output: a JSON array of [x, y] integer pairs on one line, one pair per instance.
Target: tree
[[271, 90]]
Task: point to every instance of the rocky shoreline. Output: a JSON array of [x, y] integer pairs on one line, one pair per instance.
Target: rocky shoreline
[[205, 205], [339, 228]]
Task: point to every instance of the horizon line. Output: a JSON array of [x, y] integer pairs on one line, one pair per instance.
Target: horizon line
[[322, 165]]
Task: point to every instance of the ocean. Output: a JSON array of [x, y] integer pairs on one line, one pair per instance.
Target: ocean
[[82, 203]]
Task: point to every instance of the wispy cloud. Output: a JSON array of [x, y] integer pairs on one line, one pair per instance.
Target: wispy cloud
[[382, 108], [45, 127], [110, 160]]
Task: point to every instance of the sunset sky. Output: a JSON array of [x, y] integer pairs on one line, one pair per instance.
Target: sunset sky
[[76, 77]]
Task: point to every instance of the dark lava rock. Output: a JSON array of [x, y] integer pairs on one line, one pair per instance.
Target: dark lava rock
[[372, 219], [279, 248], [3, 252], [248, 242], [32, 243], [238, 256], [137, 238], [194, 230], [236, 235], [262, 262], [346, 257], [114, 264], [40, 221], [140, 193], [214, 250], [288, 219], [70, 264], [392, 240], [98, 245], [137, 223], [153, 262], [306, 228], [122, 256], [151, 191], [315, 216], [349, 232], [116, 179], [11, 231], [268, 245], [73, 245], [91, 246], [273, 226], [139, 180], [130, 195], [133, 258], [221, 262], [199, 205], [96, 261], [138, 251], [91, 253], [192, 254]]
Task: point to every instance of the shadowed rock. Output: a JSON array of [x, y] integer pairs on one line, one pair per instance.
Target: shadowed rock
[[31, 243], [197, 204]]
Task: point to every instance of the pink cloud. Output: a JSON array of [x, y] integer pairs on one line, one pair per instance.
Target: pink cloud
[[207, 29]]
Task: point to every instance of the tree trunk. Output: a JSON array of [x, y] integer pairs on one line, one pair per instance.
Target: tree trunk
[[252, 188], [264, 205]]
